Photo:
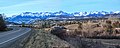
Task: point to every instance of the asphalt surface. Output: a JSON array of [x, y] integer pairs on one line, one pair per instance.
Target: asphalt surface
[[10, 36]]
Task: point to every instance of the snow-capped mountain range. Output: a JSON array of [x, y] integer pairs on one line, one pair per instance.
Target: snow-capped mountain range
[[61, 13], [29, 16]]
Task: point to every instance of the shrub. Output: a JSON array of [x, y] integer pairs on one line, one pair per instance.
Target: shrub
[[116, 24], [80, 25], [108, 22]]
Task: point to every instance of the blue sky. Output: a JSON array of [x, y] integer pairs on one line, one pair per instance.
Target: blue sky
[[14, 7]]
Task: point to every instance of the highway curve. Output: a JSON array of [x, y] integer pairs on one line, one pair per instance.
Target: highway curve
[[9, 37]]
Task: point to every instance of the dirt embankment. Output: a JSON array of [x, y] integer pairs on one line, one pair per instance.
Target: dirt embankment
[[41, 39]]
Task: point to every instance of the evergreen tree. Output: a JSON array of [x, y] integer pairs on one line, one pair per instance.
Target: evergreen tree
[[2, 23], [23, 24]]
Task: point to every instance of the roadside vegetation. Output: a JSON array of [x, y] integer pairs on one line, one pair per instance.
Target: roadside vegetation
[[3, 26], [104, 29], [84, 34]]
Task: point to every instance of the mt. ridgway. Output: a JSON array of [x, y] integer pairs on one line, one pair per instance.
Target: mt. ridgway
[[28, 17]]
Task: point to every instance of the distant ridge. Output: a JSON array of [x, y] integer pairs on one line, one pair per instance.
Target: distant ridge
[[28, 17]]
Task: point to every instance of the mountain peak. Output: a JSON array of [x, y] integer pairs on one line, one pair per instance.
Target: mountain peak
[[61, 11], [28, 16]]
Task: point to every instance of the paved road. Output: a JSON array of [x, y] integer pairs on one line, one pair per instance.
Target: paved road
[[10, 36]]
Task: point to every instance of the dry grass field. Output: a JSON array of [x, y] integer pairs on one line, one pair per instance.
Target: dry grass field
[[72, 26], [92, 31]]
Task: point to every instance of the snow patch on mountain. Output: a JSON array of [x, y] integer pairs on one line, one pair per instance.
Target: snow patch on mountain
[[28, 17]]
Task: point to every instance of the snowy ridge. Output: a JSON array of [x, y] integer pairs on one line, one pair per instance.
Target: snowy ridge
[[28, 17]]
